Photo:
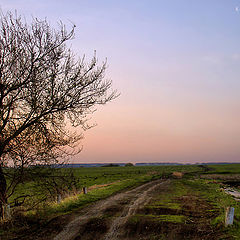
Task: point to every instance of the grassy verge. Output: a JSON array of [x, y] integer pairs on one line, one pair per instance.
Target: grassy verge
[[72, 203], [88, 177], [188, 206], [220, 201], [33, 221]]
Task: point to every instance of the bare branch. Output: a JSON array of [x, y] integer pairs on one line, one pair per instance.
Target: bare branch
[[43, 87]]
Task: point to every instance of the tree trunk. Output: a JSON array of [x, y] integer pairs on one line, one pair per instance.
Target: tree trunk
[[3, 187]]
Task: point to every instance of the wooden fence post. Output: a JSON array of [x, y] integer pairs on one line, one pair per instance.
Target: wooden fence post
[[84, 190], [59, 198], [6, 212], [229, 216]]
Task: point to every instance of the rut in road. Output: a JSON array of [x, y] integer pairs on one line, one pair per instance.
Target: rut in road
[[114, 232], [138, 197]]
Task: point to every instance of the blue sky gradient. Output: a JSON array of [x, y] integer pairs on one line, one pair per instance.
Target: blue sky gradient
[[176, 64]]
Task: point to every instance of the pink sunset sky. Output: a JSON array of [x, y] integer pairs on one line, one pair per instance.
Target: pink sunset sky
[[176, 64]]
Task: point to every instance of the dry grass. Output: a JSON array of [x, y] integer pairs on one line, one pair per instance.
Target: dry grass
[[221, 176], [177, 174]]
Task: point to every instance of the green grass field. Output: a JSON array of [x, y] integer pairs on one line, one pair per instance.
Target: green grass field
[[89, 177], [102, 182], [224, 169]]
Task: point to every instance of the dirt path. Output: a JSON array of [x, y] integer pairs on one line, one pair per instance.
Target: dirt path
[[126, 203]]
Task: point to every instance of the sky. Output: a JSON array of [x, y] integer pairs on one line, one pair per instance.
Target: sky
[[176, 65]]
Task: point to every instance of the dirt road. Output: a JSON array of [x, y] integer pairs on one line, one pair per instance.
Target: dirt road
[[109, 214]]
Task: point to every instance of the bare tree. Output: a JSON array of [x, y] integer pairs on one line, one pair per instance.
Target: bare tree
[[42, 88]]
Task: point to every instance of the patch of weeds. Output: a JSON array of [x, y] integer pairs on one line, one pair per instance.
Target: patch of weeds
[[171, 205], [82, 200], [158, 219], [159, 211], [213, 193], [168, 218], [151, 227], [216, 202], [186, 209]]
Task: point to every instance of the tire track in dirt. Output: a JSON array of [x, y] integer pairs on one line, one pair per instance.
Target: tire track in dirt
[[136, 197], [142, 199]]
